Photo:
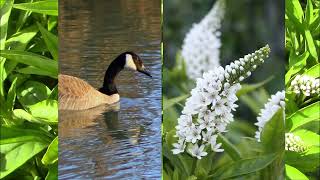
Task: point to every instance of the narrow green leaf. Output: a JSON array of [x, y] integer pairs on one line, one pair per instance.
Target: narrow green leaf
[[303, 116], [167, 103], [31, 59], [53, 172], [309, 12], [301, 62], [229, 148], [51, 41], [272, 135], [11, 96], [310, 44], [4, 18], [20, 40], [294, 174], [246, 88], [36, 71], [314, 71], [49, 7], [244, 166], [51, 156]]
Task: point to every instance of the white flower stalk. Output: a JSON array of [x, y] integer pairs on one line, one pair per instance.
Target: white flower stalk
[[201, 46], [208, 110], [294, 143], [306, 85], [274, 103]]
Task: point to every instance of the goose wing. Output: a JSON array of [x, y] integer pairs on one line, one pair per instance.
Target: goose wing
[[76, 94]]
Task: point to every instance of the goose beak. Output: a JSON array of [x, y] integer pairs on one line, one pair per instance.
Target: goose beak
[[144, 71]]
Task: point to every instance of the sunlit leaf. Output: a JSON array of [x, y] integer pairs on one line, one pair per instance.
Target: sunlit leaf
[[293, 174], [51, 156], [303, 116], [49, 7], [31, 59]]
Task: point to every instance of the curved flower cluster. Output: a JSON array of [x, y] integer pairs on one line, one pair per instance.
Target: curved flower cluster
[[201, 46], [209, 109], [270, 108], [306, 85], [294, 143]]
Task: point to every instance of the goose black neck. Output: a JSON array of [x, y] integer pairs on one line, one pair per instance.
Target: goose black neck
[[109, 86]]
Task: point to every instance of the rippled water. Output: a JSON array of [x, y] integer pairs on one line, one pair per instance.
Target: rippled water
[[124, 140]]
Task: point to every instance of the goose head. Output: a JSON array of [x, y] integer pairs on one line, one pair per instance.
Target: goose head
[[134, 62]]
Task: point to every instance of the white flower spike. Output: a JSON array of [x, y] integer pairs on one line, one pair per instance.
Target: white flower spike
[[294, 143], [306, 85], [209, 109], [274, 103], [201, 46]]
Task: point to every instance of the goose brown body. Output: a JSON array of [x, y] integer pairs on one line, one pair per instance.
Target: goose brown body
[[77, 94]]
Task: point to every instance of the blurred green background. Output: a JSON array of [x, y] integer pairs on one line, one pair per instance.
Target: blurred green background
[[248, 25]]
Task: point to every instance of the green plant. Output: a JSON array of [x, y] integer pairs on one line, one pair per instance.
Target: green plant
[[28, 89], [302, 88], [191, 150]]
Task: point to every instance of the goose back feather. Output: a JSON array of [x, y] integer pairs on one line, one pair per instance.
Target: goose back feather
[[77, 94]]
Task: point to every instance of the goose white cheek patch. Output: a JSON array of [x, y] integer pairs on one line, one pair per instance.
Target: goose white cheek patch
[[130, 63]]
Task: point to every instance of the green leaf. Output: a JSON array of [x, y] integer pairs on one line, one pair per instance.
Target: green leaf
[[167, 103], [308, 137], [314, 71], [46, 111], [301, 62], [54, 93], [303, 116], [53, 172], [11, 96], [22, 115], [31, 59], [244, 166], [246, 88], [310, 44], [294, 174], [20, 40], [51, 41], [51, 156], [308, 161], [4, 18], [309, 12], [36, 71], [32, 92], [16, 154], [12, 134], [294, 7], [229, 148], [272, 135], [49, 7]]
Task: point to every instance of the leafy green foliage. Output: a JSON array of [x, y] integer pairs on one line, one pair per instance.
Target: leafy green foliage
[[302, 45], [28, 90]]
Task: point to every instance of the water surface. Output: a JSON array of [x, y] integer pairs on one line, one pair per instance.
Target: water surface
[[122, 141]]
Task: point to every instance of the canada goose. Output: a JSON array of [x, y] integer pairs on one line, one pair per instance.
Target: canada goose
[[77, 94]]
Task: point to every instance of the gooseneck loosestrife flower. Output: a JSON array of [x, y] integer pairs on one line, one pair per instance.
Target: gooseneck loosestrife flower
[[274, 103], [208, 110], [306, 85], [201, 46], [294, 143]]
